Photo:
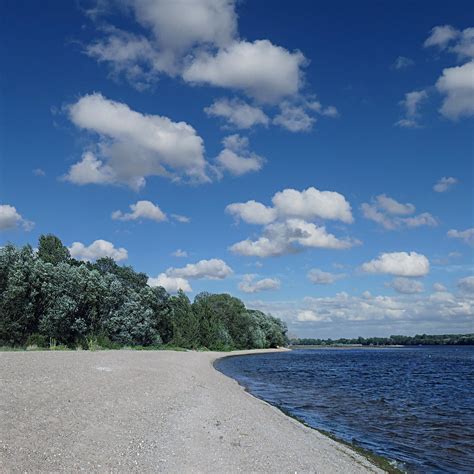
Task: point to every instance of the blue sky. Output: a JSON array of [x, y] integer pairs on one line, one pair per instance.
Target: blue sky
[[348, 126]]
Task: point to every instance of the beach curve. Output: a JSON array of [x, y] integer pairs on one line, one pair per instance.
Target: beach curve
[[149, 411]]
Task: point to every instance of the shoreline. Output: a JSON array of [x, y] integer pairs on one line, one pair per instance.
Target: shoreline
[[380, 461], [141, 411]]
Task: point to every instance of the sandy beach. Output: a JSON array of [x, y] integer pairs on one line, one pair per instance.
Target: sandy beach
[[148, 411]]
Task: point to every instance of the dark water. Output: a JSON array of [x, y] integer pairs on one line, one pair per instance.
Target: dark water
[[412, 405]]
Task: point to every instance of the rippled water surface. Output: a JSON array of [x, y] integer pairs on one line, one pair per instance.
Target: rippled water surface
[[412, 405]]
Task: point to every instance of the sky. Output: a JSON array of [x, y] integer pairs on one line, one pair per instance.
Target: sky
[[313, 159]]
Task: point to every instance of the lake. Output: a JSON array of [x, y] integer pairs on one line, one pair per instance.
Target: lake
[[413, 405]]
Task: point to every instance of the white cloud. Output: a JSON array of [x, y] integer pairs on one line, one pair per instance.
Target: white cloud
[[11, 219], [386, 211], [290, 236], [170, 284], [411, 104], [252, 212], [250, 285], [213, 269], [391, 206], [181, 219], [128, 54], [402, 62], [352, 315], [316, 106], [406, 286], [236, 158], [286, 228], [312, 203], [311, 315], [180, 253], [441, 36], [466, 284], [462, 42], [464, 48], [91, 170], [457, 84], [319, 277], [260, 69], [141, 210], [405, 264], [39, 172], [175, 30], [238, 113], [439, 287], [133, 146], [424, 219], [444, 184], [294, 118], [466, 236], [98, 248], [307, 204]]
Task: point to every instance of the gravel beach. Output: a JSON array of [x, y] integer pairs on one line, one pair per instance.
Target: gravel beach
[[148, 411]]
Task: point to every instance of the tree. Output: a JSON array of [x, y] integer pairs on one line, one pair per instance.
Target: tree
[[52, 250]]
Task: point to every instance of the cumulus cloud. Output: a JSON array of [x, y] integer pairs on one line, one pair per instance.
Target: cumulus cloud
[[406, 264], [406, 286], [141, 210], [444, 184], [466, 236], [132, 146], [170, 284], [250, 285], [294, 118], [237, 113], [260, 69], [213, 269], [355, 315], [312, 203], [441, 36], [386, 211], [287, 227], [411, 104], [308, 204], [466, 284], [181, 219], [290, 236], [39, 172], [457, 85], [236, 157], [402, 62], [174, 30], [252, 212], [312, 315], [97, 249], [439, 287], [447, 37], [180, 253], [319, 277], [10, 219]]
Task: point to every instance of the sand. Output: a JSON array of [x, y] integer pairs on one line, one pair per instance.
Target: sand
[[148, 411]]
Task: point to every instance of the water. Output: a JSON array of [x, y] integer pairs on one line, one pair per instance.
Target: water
[[412, 405]]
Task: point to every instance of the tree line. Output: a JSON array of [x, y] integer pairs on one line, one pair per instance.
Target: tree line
[[48, 299], [417, 340]]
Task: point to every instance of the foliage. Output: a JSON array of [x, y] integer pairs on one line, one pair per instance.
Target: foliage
[[48, 299], [417, 340]]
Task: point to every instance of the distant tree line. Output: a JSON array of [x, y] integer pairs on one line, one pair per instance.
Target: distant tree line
[[419, 339], [48, 299]]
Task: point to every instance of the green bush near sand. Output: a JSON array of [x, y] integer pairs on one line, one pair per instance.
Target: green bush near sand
[[50, 300]]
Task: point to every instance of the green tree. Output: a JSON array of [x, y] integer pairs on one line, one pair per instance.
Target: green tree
[[52, 250]]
